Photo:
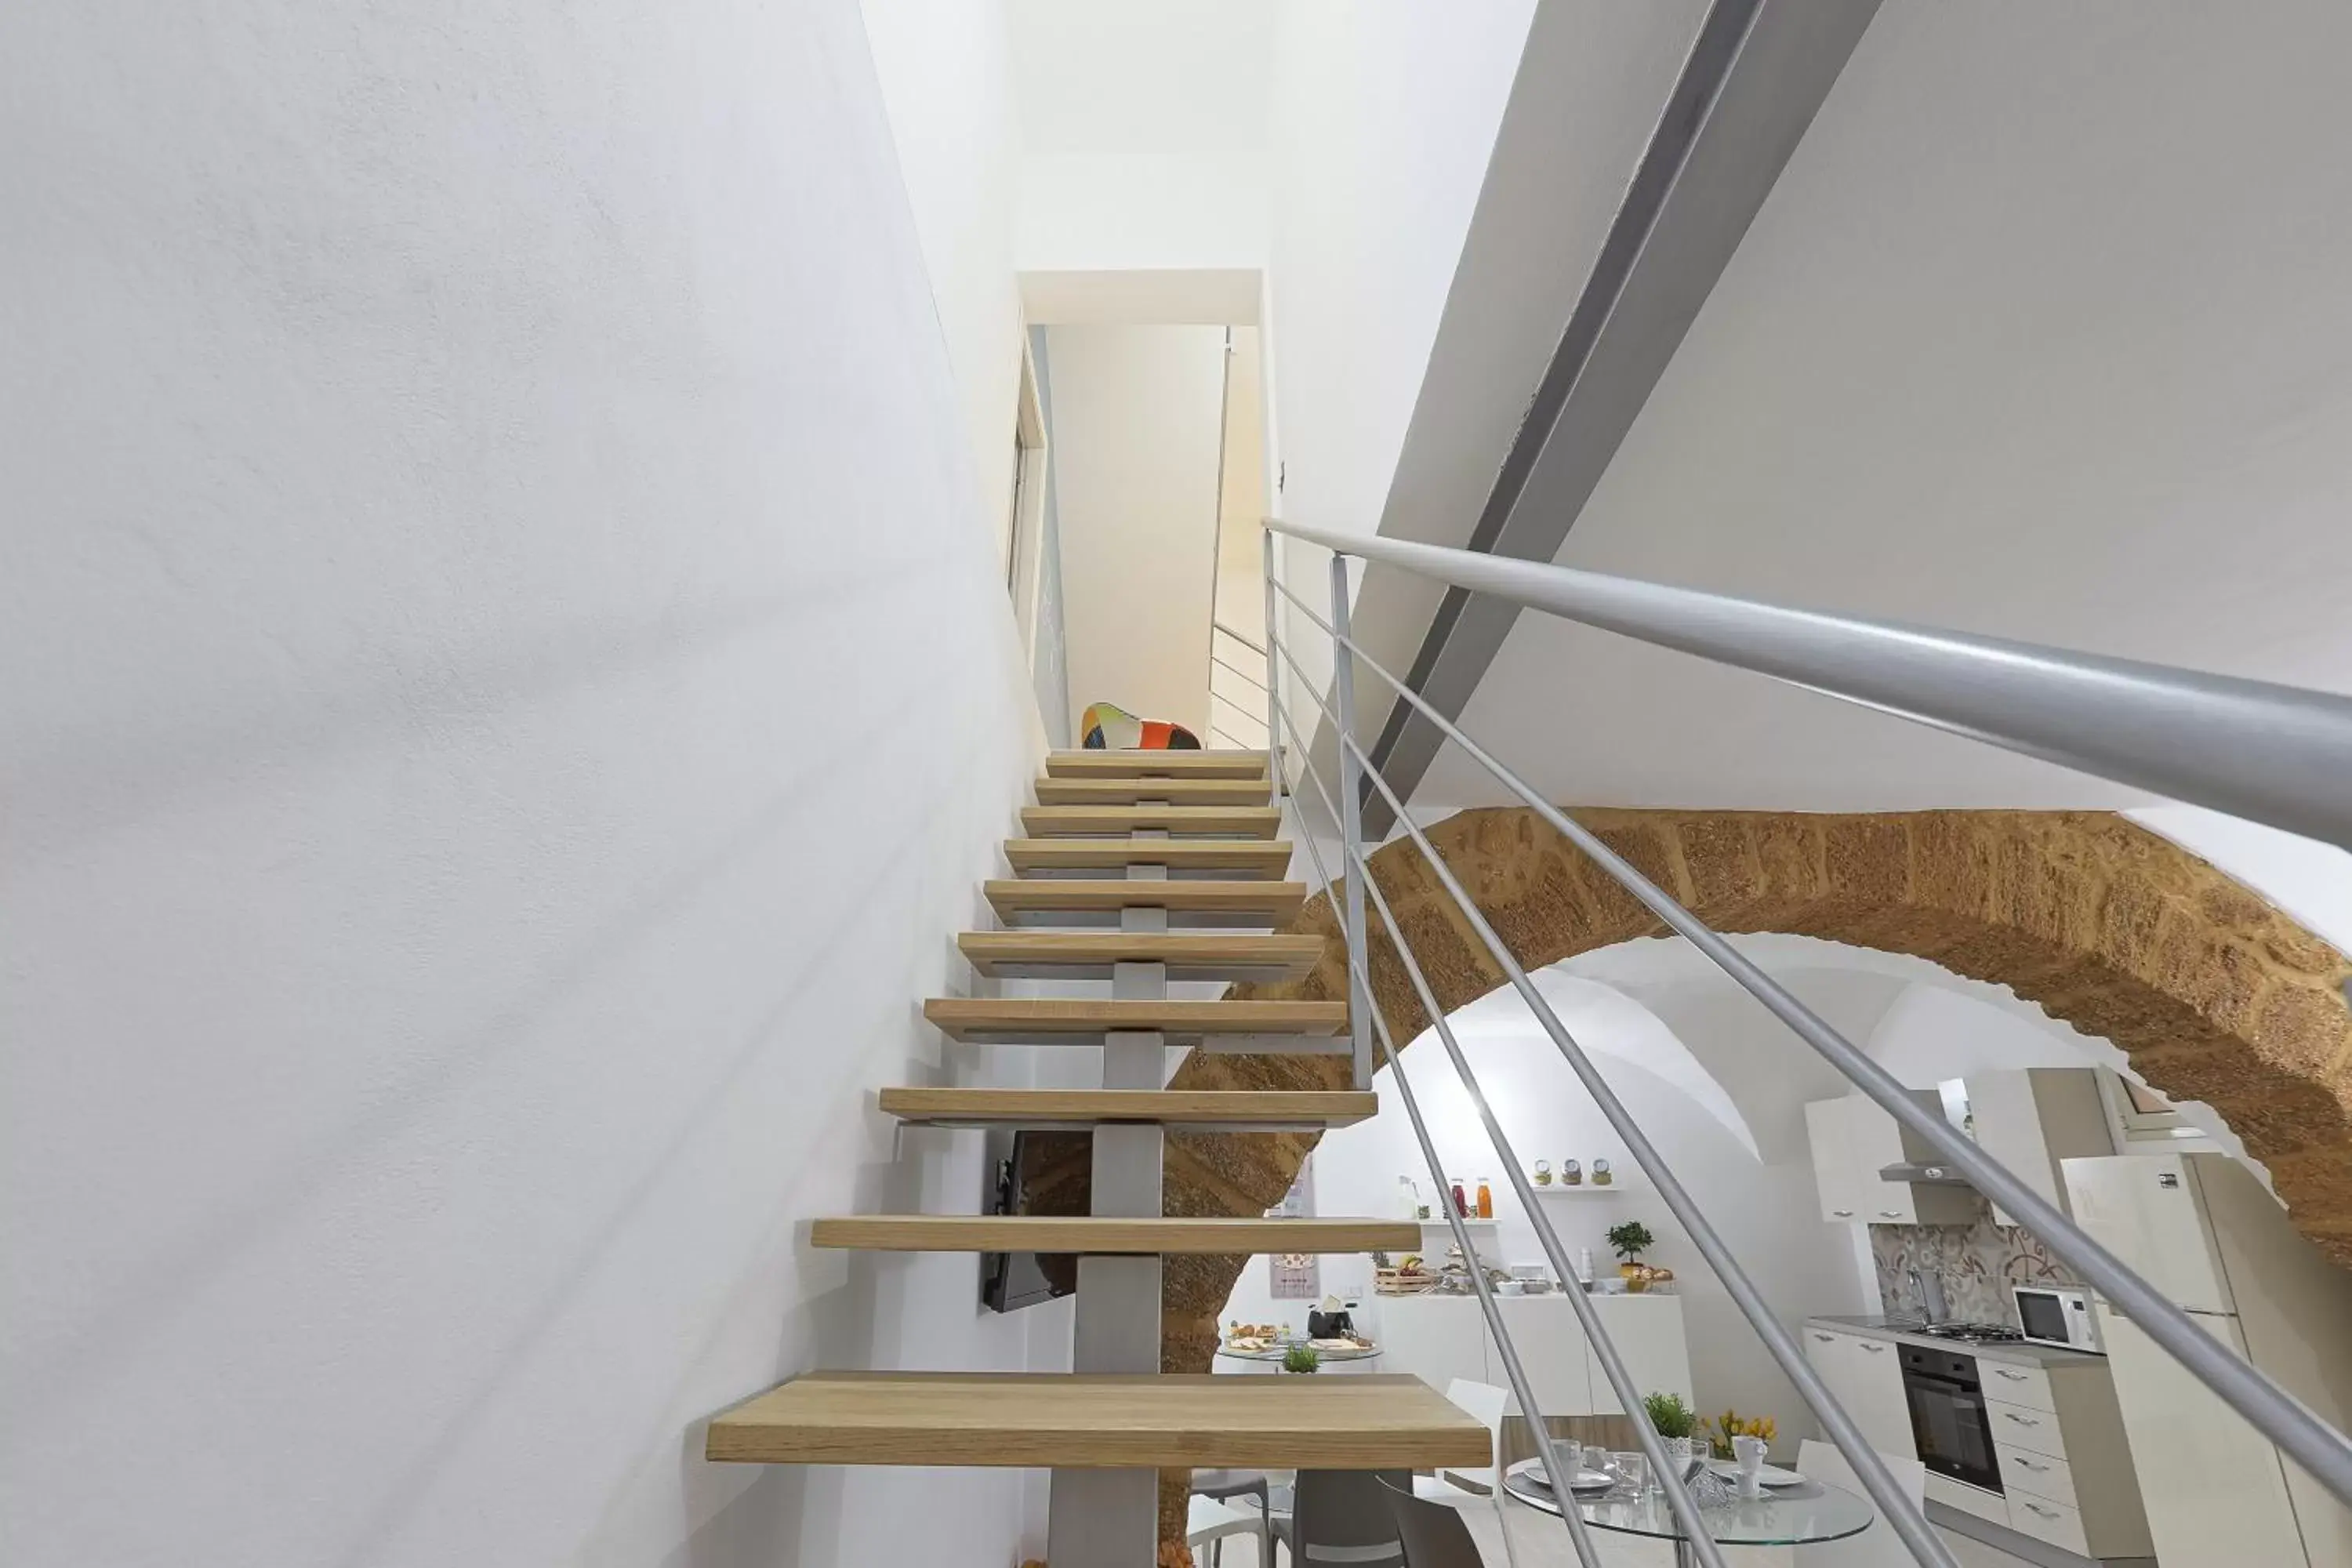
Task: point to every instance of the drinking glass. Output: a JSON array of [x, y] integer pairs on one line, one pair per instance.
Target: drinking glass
[[1632, 1472]]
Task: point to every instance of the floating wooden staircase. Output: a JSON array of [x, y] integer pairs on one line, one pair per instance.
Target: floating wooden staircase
[[1163, 854]]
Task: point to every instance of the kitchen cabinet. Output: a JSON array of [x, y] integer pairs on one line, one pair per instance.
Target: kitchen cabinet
[[1552, 1352], [1436, 1338], [1852, 1140], [1866, 1376], [2030, 1118], [1648, 1334], [1440, 1338]]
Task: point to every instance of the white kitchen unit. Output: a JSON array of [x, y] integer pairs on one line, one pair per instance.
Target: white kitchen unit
[[1862, 1373], [2032, 1119], [1854, 1139], [2202, 1230], [2064, 1473], [1440, 1338]]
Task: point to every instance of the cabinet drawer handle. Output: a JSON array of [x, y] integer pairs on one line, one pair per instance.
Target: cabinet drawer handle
[[2012, 1376], [1890, 1214], [2028, 1464], [1826, 1339], [2044, 1512], [1842, 1214], [2020, 1420], [1873, 1349]]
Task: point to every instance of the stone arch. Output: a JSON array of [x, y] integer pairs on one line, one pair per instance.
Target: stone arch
[[2213, 994]]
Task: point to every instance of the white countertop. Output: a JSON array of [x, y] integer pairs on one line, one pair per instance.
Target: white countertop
[[1880, 1328]]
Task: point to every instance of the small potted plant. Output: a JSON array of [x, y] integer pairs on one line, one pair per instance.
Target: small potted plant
[[1629, 1241], [1675, 1421], [1300, 1359]]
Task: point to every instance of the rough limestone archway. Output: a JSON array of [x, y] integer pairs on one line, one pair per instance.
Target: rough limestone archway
[[2213, 994]]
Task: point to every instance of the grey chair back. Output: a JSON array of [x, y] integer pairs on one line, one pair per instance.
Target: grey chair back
[[1432, 1534], [1340, 1519]]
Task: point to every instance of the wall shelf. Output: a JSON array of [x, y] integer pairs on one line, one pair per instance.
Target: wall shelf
[[1442, 1224], [1584, 1191]]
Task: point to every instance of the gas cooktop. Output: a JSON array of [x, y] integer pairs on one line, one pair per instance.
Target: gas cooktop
[[1970, 1333]]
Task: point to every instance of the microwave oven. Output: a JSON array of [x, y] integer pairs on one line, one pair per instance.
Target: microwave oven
[[2058, 1315]]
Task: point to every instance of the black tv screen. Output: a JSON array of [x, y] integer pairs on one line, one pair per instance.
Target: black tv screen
[[1011, 1280]]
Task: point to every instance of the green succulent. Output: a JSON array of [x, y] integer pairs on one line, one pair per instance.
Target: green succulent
[[1670, 1416]]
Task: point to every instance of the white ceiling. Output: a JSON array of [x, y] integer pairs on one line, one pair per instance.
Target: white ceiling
[[2043, 333], [1141, 76]]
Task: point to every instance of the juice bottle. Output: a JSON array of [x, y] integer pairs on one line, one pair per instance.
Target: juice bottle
[[1486, 1200]]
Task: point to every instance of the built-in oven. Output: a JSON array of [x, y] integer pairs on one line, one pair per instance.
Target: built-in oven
[[1948, 1415]]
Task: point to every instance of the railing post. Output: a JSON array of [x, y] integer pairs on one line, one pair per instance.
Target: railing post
[[1351, 797], [1275, 781]]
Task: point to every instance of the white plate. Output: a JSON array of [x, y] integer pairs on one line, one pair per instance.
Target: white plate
[[1586, 1480], [1770, 1474]]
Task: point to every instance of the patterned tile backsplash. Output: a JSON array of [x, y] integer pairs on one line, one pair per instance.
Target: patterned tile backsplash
[[1978, 1262]]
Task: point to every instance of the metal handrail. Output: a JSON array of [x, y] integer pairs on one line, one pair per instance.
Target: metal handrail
[[1237, 670], [1908, 1520], [1561, 1476], [2278, 754], [1613, 1364], [2321, 1450], [1218, 625]]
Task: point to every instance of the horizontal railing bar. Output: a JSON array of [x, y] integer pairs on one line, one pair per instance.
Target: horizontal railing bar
[[2273, 753], [1237, 670], [1613, 1364], [1220, 626], [1546, 1445], [2319, 1448]]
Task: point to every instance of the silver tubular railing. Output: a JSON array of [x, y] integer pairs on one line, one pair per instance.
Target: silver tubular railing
[[1561, 1475], [1613, 1364], [2273, 753], [1350, 824], [2311, 1441]]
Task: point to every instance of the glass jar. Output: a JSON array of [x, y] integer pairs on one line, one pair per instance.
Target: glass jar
[[1486, 1199]]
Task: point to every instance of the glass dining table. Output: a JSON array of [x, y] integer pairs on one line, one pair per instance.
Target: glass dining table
[[1795, 1515]]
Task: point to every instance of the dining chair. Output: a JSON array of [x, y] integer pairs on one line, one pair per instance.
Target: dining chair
[[1432, 1533], [1220, 1486], [1343, 1516], [1877, 1547], [1208, 1523], [1485, 1403]]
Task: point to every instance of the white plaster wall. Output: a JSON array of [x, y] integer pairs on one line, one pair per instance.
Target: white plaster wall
[[2040, 335], [946, 70], [504, 695], [1085, 212], [1382, 117], [1137, 413]]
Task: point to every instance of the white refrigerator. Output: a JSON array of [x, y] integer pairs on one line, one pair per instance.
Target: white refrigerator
[[2203, 1230]]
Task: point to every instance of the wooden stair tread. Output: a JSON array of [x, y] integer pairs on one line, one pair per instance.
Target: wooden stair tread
[[1101, 1421], [1097, 1235], [1072, 900], [1167, 765], [1085, 1020], [1189, 954], [1264, 1108], [1236, 857], [1108, 821], [1127, 791]]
